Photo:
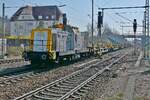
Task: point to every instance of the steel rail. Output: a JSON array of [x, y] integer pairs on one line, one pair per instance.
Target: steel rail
[[89, 79], [29, 94]]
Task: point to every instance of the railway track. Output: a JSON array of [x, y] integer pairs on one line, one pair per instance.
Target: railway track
[[12, 79], [9, 79], [74, 85]]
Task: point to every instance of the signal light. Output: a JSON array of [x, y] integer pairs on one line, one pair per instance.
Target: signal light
[[100, 19], [64, 20], [134, 25]]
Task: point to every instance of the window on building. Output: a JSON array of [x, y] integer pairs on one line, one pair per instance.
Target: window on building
[[53, 17], [47, 17], [15, 31], [22, 17], [39, 17], [30, 24]]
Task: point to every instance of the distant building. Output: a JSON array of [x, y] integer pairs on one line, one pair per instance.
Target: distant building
[[28, 17]]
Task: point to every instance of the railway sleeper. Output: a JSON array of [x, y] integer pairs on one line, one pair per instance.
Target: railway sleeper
[[96, 80], [56, 95], [80, 93], [77, 95], [66, 84], [54, 91], [57, 89], [91, 83], [41, 98], [62, 89], [76, 80], [79, 80], [72, 97], [70, 82], [83, 90], [63, 86], [78, 75], [75, 77]]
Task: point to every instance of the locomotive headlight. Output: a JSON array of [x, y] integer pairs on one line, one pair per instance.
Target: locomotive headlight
[[43, 57]]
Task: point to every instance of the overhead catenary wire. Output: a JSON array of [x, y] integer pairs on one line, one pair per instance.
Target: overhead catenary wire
[[77, 12], [115, 20], [129, 20]]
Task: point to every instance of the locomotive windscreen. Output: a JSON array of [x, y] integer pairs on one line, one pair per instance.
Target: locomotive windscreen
[[40, 41]]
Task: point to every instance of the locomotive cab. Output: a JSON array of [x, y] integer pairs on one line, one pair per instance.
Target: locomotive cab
[[41, 48]]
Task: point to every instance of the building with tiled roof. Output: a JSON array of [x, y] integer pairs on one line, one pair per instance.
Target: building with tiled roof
[[28, 17]]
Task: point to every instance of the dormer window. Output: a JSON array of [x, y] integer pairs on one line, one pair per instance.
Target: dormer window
[[53, 17], [47, 17], [39, 17]]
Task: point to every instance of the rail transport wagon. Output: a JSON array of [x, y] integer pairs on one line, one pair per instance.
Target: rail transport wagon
[[55, 45]]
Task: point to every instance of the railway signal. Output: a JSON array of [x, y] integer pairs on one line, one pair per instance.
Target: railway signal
[[134, 25], [64, 20], [100, 22], [134, 30]]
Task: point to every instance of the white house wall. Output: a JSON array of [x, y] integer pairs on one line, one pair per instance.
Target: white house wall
[[23, 28], [25, 17]]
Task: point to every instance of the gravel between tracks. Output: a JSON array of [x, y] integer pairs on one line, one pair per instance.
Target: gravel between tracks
[[26, 85], [111, 87], [142, 86]]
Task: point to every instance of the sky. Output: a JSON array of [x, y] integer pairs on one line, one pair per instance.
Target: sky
[[78, 10]]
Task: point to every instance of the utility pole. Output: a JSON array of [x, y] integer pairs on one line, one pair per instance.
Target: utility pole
[[3, 27], [147, 28], [144, 33], [92, 23], [134, 30]]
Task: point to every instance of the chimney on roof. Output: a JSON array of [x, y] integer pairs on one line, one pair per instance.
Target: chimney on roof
[[27, 10], [28, 5]]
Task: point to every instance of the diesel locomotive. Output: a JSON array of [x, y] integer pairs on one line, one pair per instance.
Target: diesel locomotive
[[56, 45]]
